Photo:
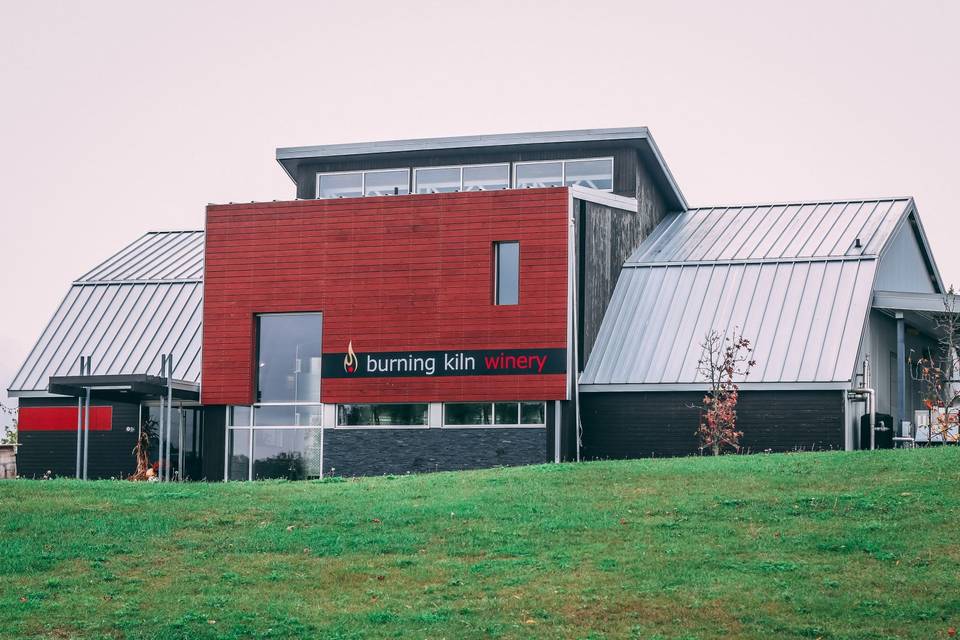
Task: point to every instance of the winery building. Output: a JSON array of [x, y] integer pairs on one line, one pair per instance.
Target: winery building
[[476, 301]]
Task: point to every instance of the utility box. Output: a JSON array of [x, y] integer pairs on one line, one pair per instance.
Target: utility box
[[8, 461], [883, 439]]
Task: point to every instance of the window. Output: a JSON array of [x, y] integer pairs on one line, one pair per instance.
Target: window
[[489, 177], [596, 173], [502, 414], [395, 182], [340, 185], [291, 454], [443, 180], [539, 174], [354, 184], [506, 273], [480, 177], [288, 356], [468, 413], [382, 415], [278, 437]]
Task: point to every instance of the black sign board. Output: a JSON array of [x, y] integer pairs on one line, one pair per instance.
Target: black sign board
[[454, 362]]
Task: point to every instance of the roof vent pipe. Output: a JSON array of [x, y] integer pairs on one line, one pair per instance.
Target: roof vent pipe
[[857, 244]]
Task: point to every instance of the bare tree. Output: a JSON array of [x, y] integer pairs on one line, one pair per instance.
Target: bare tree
[[724, 360], [938, 373], [9, 435]]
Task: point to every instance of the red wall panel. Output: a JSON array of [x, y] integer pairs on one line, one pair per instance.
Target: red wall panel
[[62, 418], [391, 274]]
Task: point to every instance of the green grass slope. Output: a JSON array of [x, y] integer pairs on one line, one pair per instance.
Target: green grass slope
[[832, 545]]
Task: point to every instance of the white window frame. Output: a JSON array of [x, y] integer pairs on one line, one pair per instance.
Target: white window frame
[[363, 181], [493, 415], [563, 169], [250, 429], [337, 425], [316, 187], [461, 167]]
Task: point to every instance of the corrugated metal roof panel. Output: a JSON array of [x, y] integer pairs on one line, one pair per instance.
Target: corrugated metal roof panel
[[145, 301], [804, 317], [774, 231], [158, 255]]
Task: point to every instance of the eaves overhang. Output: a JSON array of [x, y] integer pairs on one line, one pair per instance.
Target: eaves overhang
[[640, 138]]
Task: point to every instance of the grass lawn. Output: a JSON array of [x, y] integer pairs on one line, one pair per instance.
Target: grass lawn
[[831, 545]]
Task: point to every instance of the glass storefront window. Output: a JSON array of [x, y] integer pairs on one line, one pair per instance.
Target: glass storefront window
[[287, 415], [238, 454], [292, 454], [382, 415], [288, 353], [533, 413], [468, 413], [238, 416], [503, 414], [506, 413]]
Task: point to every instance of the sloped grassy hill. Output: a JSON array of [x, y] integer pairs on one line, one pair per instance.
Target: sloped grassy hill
[[832, 545]]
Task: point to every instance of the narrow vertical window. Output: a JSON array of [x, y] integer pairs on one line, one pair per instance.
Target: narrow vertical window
[[506, 273]]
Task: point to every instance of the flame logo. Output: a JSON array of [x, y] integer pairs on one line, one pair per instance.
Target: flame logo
[[350, 361]]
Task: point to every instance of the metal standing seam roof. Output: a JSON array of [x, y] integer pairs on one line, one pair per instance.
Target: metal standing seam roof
[[797, 279], [142, 302]]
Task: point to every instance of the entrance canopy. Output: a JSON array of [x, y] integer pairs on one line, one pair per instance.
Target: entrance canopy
[[130, 387], [919, 310]]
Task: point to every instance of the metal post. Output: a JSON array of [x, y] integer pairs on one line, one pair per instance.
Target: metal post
[[901, 378], [321, 449], [163, 370], [169, 412], [79, 471], [86, 435]]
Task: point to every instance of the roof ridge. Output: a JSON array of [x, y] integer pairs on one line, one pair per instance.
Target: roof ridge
[[745, 261], [746, 205]]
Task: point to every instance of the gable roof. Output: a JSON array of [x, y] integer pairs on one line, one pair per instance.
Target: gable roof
[[796, 278], [144, 301]]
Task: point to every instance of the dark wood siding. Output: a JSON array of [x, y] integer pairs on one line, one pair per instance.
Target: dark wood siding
[[111, 452], [606, 238], [624, 163], [645, 424]]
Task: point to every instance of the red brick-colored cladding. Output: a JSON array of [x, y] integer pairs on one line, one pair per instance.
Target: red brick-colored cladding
[[392, 273]]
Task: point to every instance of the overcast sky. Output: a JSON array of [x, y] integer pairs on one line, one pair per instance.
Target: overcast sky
[[122, 117]]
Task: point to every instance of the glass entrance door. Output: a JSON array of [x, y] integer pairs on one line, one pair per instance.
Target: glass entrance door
[[186, 441]]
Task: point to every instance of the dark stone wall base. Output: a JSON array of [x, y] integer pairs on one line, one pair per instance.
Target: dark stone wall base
[[367, 452]]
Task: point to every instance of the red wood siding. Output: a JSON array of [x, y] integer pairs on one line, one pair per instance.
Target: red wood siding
[[62, 418], [391, 274]]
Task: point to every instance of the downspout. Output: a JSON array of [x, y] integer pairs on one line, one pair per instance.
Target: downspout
[[871, 397], [573, 302]]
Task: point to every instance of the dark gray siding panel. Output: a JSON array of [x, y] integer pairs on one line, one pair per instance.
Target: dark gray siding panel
[[644, 424], [214, 434], [364, 452], [111, 452], [607, 237]]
